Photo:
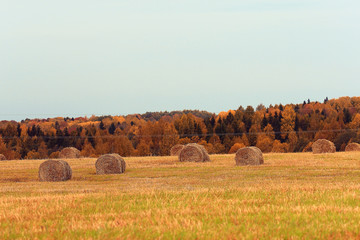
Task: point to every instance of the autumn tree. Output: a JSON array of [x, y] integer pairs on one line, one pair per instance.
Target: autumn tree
[[287, 122]]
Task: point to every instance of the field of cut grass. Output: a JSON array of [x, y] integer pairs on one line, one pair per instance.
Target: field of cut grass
[[297, 196]]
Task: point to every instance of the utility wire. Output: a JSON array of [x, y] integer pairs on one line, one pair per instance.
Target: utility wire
[[183, 135]]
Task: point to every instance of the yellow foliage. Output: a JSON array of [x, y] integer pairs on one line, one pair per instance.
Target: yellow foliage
[[288, 121], [224, 114], [355, 124], [236, 147], [143, 149], [54, 154], [33, 155], [264, 143], [279, 147]]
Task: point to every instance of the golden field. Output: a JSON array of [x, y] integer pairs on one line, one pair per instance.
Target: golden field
[[291, 196]]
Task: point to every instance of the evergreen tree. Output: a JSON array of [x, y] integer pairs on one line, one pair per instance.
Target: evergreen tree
[[57, 125], [229, 119], [101, 125], [296, 108], [112, 128], [247, 117], [264, 122], [347, 116], [67, 140], [296, 128], [281, 107], [220, 129], [276, 124], [18, 130]]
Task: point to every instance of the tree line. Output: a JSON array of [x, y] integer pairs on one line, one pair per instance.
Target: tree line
[[278, 128]]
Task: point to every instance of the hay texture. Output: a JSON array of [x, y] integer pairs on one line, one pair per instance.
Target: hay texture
[[323, 146], [176, 149], [193, 152], [260, 154], [2, 157], [249, 156], [54, 171], [69, 152], [206, 157], [352, 147], [110, 164]]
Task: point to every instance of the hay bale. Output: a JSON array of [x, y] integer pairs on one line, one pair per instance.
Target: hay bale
[[176, 149], [260, 153], [54, 171], [2, 157], [206, 157], [352, 147], [110, 164], [69, 152], [193, 152], [323, 146], [249, 156]]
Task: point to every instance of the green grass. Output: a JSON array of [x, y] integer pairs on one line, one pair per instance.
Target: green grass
[[292, 196]]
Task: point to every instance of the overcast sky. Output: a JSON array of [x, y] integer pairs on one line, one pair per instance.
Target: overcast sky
[[83, 57]]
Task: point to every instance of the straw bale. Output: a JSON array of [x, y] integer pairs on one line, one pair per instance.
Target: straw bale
[[54, 171], [323, 146], [249, 156], [69, 152], [193, 152], [110, 164], [176, 149], [352, 147], [260, 153], [206, 157]]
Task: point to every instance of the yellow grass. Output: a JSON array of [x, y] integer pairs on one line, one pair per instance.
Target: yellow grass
[[291, 196]]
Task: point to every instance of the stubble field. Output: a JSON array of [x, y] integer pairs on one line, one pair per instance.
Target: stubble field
[[297, 196]]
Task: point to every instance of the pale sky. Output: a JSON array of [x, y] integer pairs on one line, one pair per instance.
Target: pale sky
[[83, 57]]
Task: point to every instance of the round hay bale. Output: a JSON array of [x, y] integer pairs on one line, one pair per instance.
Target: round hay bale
[[176, 149], [352, 147], [249, 156], [206, 157], [110, 164], [69, 152], [260, 153], [2, 157], [54, 171], [193, 152], [323, 146]]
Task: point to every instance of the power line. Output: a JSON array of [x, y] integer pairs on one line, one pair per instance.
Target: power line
[[182, 135]]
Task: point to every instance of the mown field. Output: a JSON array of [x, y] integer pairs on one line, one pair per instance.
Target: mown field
[[296, 196]]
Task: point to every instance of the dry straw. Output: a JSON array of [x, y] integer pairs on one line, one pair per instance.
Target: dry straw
[[176, 149], [323, 146], [110, 164], [260, 153], [352, 147], [193, 152], [2, 157], [69, 152], [206, 157], [54, 171], [249, 156]]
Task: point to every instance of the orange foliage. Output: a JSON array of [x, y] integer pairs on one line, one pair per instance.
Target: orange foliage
[[279, 147], [236, 147]]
